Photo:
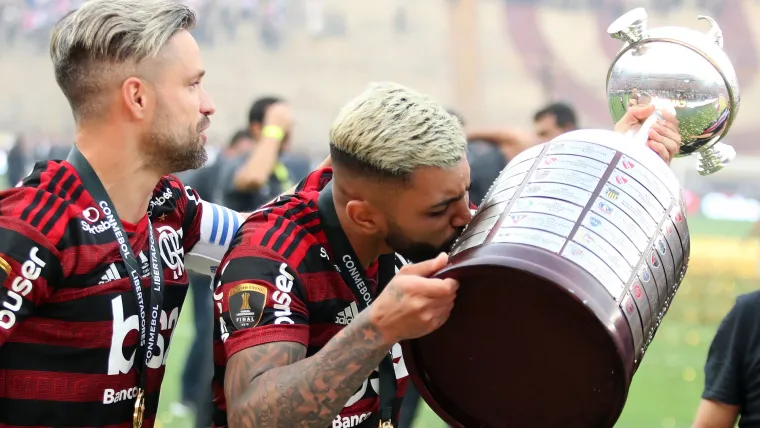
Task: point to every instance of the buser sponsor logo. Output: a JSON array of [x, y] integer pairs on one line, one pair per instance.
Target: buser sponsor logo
[[281, 296], [21, 286], [113, 396], [349, 421]]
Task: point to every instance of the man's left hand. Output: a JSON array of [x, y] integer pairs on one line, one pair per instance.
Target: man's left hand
[[664, 137]]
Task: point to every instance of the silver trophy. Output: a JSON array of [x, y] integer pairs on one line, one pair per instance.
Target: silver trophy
[[681, 70]]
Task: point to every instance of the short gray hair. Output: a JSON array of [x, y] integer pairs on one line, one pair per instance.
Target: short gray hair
[[103, 34], [394, 130]]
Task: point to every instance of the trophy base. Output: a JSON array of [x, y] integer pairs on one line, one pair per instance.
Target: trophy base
[[532, 341], [714, 158]]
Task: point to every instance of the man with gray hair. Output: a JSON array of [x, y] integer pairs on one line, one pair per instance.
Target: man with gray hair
[[94, 250], [316, 291]]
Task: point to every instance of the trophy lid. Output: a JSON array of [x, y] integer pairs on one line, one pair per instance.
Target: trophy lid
[[630, 27]]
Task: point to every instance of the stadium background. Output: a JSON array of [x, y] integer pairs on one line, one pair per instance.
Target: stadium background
[[496, 62]]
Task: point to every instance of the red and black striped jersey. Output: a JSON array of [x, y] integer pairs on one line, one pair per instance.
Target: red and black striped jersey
[[68, 316], [283, 252]]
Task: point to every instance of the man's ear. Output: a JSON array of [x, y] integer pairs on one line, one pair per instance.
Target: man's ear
[[364, 216], [136, 97]]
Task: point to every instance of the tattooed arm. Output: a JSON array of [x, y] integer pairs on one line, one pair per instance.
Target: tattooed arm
[[272, 385]]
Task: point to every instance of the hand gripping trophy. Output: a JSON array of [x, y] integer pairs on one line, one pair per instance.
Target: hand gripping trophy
[[679, 68], [578, 250]]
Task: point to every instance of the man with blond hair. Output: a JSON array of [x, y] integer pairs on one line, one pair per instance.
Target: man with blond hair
[[317, 291], [94, 250]]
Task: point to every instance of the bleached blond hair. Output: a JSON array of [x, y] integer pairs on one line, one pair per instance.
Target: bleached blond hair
[[108, 39], [393, 130]]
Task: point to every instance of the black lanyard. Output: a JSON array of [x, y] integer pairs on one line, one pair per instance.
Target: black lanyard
[[93, 185], [351, 270]]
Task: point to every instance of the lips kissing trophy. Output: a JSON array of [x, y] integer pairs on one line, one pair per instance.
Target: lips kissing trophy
[[578, 249]]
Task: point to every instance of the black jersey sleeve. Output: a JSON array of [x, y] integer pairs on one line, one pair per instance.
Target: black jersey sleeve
[[731, 352]]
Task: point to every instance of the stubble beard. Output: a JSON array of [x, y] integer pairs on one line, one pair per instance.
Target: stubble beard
[[172, 152]]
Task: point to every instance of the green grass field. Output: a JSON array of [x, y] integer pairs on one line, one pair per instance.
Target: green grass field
[[667, 386]]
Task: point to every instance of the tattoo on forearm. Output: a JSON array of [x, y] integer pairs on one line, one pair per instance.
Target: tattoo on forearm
[[273, 386]]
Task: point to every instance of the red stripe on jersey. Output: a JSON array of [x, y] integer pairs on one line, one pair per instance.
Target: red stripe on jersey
[[220, 357], [70, 387], [69, 294], [86, 335], [322, 286], [300, 252], [321, 333], [58, 226], [72, 258], [40, 208], [254, 230], [262, 226], [53, 386], [260, 335]]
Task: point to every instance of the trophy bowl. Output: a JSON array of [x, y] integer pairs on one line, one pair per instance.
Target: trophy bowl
[[683, 69], [565, 274]]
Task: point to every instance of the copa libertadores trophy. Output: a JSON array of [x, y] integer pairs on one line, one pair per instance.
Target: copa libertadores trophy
[[577, 251], [682, 67]]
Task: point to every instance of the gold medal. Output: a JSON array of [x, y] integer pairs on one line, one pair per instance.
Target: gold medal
[[137, 416], [386, 424]]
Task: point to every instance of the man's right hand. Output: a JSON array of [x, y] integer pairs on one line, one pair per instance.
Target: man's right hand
[[412, 304]]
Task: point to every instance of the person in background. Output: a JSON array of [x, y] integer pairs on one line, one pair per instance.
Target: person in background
[[19, 162], [207, 180], [253, 179], [486, 162], [196, 396], [732, 370], [58, 150], [491, 149], [554, 120]]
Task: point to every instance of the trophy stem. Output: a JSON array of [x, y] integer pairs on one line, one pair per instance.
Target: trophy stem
[[714, 158]]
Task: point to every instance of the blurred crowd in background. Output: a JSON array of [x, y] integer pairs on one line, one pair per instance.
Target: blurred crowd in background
[[517, 72]]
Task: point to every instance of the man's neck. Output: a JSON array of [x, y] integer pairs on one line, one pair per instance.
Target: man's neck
[[128, 183]]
